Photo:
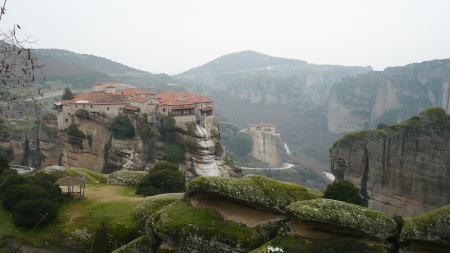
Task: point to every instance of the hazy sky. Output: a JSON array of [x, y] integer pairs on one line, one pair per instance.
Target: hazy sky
[[173, 36]]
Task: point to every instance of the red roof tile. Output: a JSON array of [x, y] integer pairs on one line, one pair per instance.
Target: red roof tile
[[99, 98], [139, 99], [180, 98], [131, 108], [206, 109], [133, 91]]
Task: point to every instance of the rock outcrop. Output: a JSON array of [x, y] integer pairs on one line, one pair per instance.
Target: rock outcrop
[[31, 143], [258, 214], [388, 96], [401, 169]]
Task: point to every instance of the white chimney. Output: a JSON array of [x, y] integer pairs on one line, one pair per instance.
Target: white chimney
[[97, 87], [111, 89]]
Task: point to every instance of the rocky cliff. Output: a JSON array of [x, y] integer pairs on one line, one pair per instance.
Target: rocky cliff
[[89, 143], [31, 143], [402, 169], [388, 96]]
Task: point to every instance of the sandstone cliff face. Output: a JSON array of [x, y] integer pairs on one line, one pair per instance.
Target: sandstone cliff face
[[33, 144], [388, 96], [402, 169], [267, 147]]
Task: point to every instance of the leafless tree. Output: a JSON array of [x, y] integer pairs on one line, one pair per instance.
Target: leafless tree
[[19, 69]]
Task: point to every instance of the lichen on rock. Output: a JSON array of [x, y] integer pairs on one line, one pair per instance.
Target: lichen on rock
[[124, 178], [254, 189], [342, 214], [148, 206], [433, 227], [138, 245], [190, 229]]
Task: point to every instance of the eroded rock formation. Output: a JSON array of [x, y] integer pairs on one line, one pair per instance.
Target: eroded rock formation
[[388, 96], [402, 169]]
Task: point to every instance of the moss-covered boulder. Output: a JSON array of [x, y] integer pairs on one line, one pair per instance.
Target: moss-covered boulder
[[124, 178], [346, 218], [254, 190], [428, 228], [59, 171], [148, 206], [184, 228], [294, 244], [139, 245]]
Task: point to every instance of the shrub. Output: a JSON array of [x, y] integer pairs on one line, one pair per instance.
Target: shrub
[[122, 127], [344, 190], [175, 154], [4, 163], [164, 178]]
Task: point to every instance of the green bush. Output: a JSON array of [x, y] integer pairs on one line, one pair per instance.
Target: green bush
[[164, 178], [175, 154], [4, 163], [122, 127], [31, 200], [344, 190]]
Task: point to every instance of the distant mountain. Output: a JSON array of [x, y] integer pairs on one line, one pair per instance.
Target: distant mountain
[[82, 70], [87, 61], [239, 62], [222, 72]]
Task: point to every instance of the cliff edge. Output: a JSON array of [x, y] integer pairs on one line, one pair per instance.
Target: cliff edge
[[402, 169]]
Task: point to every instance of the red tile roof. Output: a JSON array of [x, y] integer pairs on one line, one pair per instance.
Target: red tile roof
[[131, 108], [139, 99], [181, 98], [206, 109], [182, 107], [99, 98], [133, 91]]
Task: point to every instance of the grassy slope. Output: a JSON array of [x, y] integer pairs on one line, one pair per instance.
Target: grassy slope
[[111, 205]]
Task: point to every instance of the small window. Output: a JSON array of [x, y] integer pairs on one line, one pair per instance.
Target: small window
[[107, 108], [76, 106], [164, 109], [83, 106], [91, 106], [67, 120]]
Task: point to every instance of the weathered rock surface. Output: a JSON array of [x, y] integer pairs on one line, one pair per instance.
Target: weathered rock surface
[[256, 190], [402, 169], [422, 232], [239, 215], [388, 96], [345, 218]]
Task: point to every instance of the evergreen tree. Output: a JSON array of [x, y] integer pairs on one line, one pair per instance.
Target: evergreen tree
[[67, 95], [122, 127], [344, 190]]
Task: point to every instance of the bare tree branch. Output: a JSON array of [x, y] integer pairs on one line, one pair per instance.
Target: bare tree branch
[[19, 69]]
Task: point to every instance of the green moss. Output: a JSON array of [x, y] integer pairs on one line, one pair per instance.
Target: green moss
[[140, 244], [191, 229], [344, 214], [432, 226], [292, 244], [75, 136], [60, 171], [255, 189], [148, 206]]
